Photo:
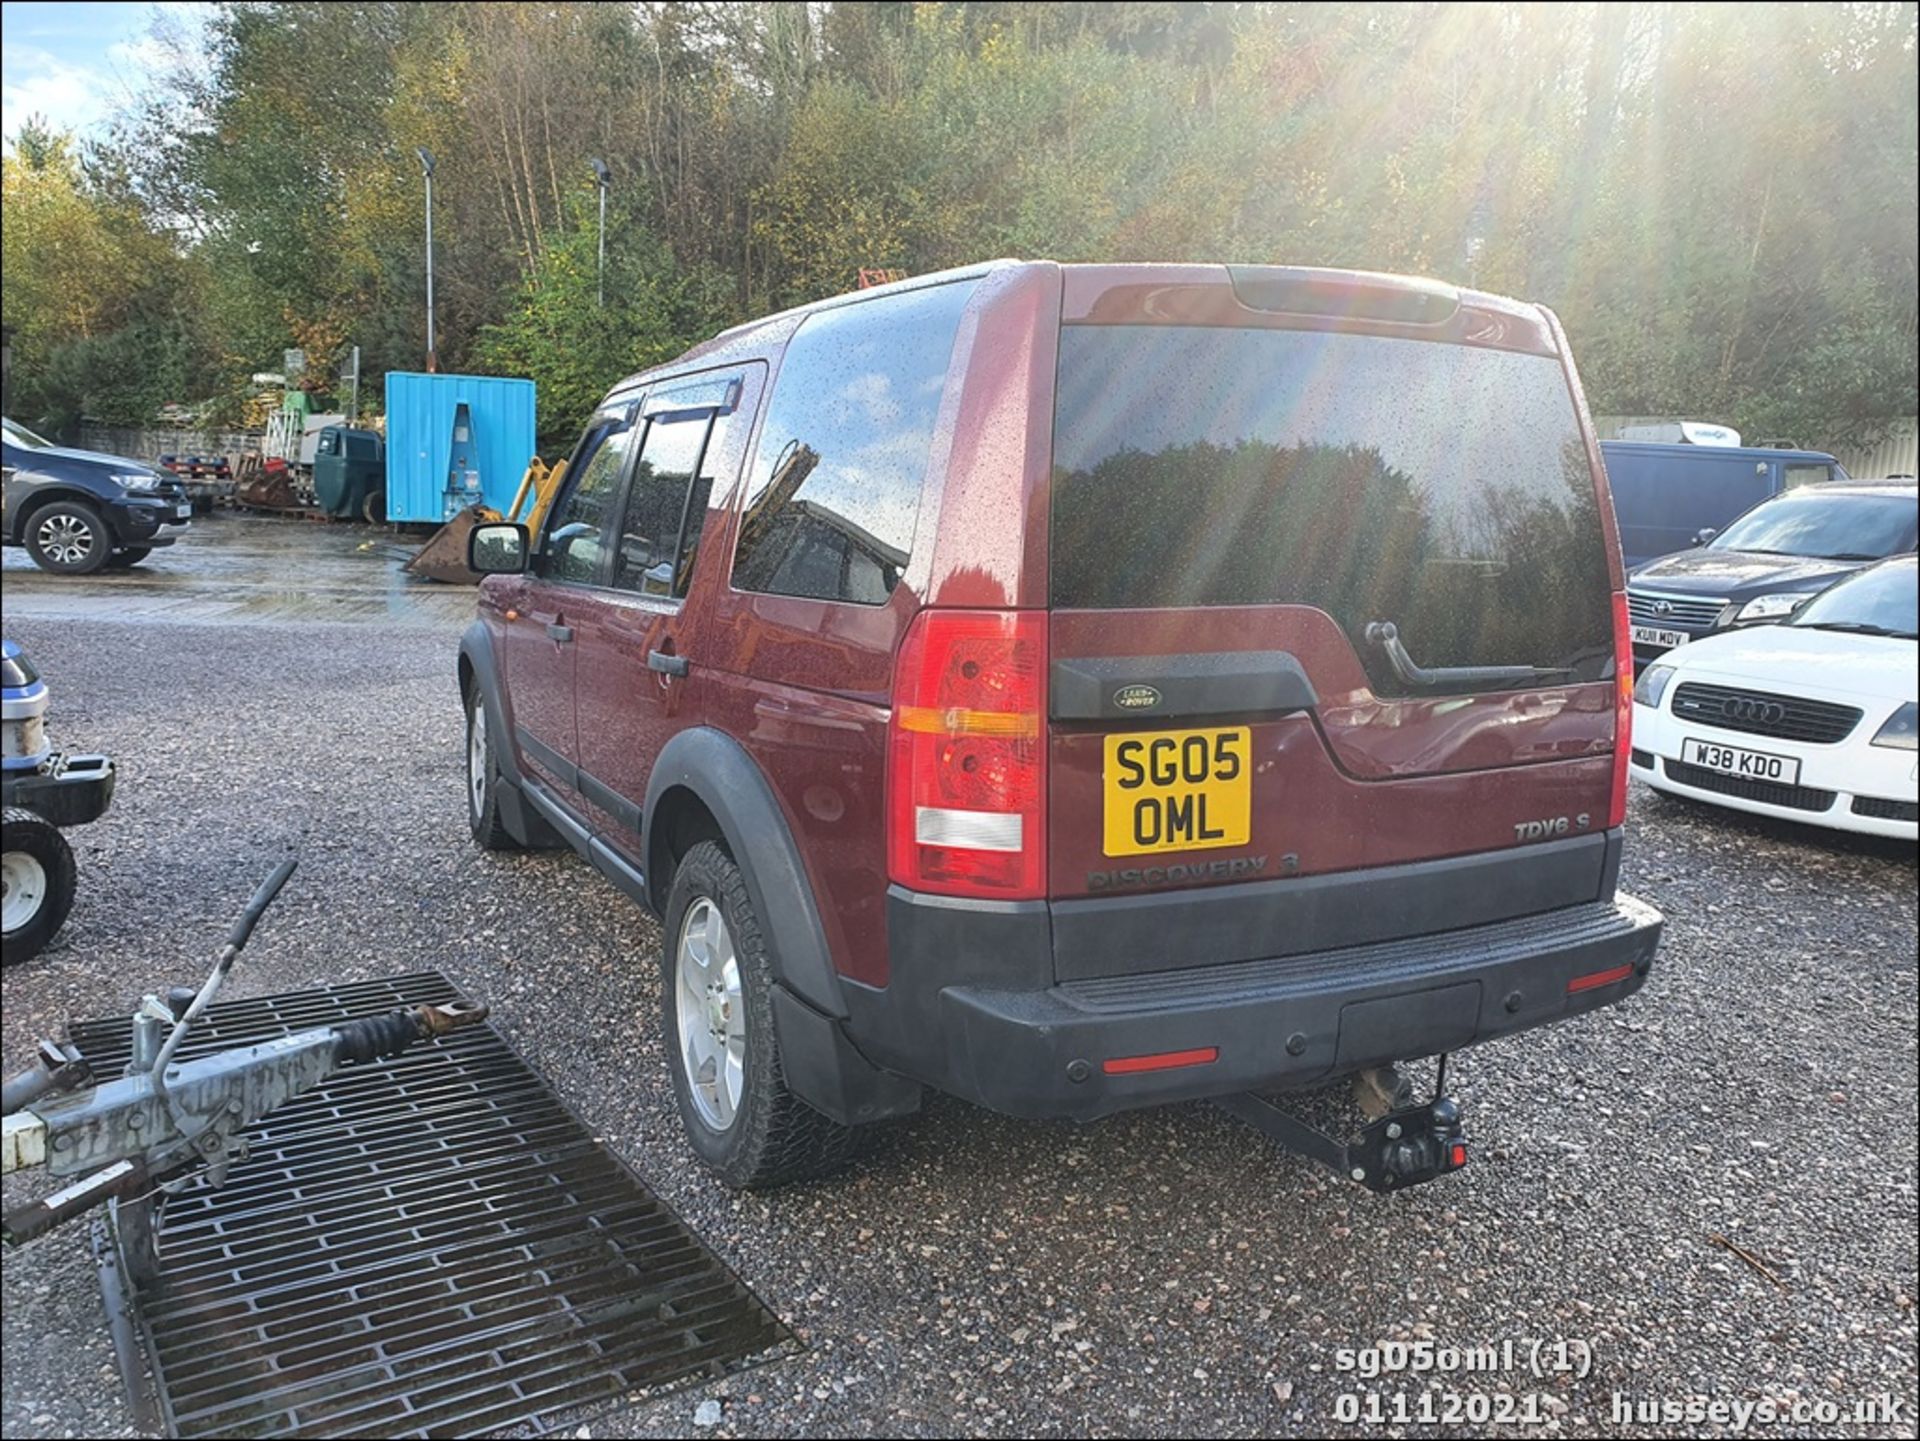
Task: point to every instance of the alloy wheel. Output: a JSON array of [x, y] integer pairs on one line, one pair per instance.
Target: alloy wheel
[[65, 538], [712, 1014]]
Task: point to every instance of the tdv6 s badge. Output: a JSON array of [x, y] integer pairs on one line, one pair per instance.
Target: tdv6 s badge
[[1551, 828]]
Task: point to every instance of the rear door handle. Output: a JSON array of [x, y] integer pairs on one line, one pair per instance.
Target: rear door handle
[[559, 633], [666, 663]]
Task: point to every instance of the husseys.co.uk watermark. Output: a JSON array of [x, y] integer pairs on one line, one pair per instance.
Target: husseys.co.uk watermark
[[1737, 1415]]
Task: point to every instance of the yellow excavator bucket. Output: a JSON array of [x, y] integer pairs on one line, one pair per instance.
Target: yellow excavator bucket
[[444, 556]]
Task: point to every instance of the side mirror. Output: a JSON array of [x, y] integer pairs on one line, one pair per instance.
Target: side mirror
[[497, 548], [1704, 534]]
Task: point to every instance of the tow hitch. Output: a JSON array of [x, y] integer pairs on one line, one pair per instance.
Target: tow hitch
[[1402, 1148]]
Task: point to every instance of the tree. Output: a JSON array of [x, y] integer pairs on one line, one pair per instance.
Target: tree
[[98, 300], [555, 331], [1719, 201]]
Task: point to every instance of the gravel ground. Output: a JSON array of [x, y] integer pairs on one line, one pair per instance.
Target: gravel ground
[[1161, 1273]]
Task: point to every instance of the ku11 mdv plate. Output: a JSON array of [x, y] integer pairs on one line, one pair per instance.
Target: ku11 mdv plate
[[1739, 761], [1665, 639]]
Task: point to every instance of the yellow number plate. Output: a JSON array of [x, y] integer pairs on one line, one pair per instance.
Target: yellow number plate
[[1177, 790]]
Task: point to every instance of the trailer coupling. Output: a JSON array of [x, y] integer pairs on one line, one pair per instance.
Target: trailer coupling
[[1404, 1147], [125, 1136], [147, 1131]]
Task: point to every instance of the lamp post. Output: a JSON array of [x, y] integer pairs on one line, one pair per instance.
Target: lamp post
[[426, 169], [602, 177]]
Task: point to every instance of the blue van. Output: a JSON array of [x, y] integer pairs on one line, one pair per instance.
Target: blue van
[[1664, 496]]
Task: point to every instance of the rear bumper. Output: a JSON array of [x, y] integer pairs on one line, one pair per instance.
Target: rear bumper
[[1274, 1023]]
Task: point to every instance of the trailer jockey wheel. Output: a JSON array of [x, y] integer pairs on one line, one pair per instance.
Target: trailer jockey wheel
[[36, 883]]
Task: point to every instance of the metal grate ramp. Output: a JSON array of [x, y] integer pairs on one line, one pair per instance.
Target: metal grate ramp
[[431, 1245]]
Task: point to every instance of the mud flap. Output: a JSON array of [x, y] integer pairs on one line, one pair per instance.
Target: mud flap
[[826, 1072]]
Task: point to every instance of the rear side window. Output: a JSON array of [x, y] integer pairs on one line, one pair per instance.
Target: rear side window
[[1444, 488], [835, 486], [1798, 475]]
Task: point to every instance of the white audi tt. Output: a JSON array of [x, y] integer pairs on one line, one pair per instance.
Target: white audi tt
[[1814, 719]]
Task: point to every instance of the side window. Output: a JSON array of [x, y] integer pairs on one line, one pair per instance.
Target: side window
[[1795, 476], [835, 485], [660, 504], [329, 442], [698, 499], [576, 530]]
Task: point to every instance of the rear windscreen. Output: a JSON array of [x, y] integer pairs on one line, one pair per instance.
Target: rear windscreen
[[1440, 487]]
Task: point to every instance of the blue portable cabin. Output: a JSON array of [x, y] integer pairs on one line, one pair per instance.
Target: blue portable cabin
[[1665, 495], [422, 449]]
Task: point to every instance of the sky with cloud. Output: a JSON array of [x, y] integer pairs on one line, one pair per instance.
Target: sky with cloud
[[75, 64]]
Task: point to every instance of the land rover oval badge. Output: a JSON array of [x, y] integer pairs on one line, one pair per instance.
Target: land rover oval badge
[[1136, 697]]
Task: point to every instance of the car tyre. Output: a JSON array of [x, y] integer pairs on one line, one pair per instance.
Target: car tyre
[[483, 781], [741, 1118], [37, 881], [68, 537], [128, 555]]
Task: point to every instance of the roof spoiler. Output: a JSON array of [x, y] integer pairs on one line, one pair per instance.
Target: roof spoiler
[[1350, 294]]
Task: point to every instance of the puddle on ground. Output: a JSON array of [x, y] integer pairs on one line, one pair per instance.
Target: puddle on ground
[[250, 570]]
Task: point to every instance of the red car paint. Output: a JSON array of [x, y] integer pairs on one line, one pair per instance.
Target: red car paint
[[805, 686]]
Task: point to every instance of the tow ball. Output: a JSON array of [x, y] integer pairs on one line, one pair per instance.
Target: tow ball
[[1403, 1148]]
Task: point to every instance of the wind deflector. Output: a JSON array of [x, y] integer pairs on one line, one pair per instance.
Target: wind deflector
[[1350, 294]]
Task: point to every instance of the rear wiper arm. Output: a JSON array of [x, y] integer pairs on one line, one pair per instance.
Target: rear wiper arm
[[1386, 635]]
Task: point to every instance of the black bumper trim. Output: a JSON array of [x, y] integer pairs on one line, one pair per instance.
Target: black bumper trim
[[1105, 935], [1415, 962], [1038, 1050]]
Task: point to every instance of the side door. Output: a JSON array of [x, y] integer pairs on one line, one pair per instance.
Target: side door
[[570, 560], [639, 637]]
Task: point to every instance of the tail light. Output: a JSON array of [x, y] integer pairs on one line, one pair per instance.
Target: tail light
[[966, 778], [1622, 708]]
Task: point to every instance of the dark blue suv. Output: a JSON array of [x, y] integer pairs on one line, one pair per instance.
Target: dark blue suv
[[77, 510]]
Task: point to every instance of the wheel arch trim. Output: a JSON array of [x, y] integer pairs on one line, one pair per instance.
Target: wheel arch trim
[[52, 494], [719, 773]]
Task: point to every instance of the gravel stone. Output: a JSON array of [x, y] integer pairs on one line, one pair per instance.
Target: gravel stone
[[977, 1275]]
